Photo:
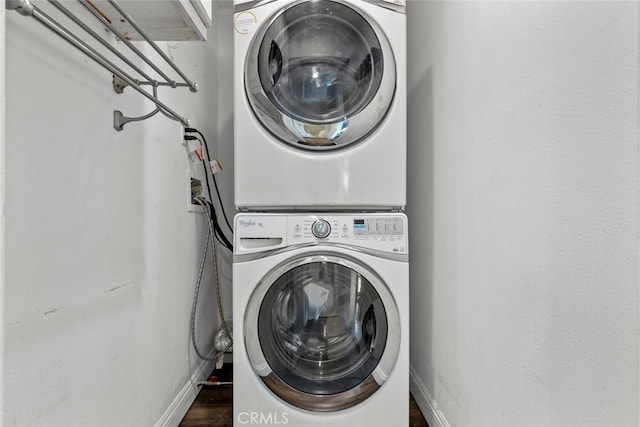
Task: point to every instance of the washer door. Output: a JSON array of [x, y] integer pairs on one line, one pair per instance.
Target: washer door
[[322, 332], [320, 75]]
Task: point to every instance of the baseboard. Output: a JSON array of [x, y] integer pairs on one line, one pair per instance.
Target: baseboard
[[428, 406], [181, 404]]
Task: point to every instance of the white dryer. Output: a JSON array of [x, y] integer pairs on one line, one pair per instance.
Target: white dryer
[[320, 104], [321, 316]]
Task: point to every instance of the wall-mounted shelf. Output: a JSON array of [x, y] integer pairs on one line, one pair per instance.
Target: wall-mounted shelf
[[163, 20], [121, 78]]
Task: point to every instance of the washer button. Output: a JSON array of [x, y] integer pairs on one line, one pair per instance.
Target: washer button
[[321, 229]]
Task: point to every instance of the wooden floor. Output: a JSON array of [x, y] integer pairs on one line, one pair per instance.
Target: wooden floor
[[213, 406]]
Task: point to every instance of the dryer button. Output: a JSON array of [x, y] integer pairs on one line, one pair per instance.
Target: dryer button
[[321, 229]]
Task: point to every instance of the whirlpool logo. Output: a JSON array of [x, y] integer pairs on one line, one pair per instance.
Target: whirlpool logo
[[261, 418], [250, 223]]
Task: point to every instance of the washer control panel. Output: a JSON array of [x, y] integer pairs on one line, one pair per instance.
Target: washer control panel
[[379, 231], [376, 226], [387, 232]]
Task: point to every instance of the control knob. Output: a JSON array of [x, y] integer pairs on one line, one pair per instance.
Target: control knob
[[321, 229]]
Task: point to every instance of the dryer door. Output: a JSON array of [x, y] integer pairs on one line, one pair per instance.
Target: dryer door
[[320, 75], [322, 332]]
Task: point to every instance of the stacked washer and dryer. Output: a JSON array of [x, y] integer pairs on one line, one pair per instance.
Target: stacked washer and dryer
[[320, 270]]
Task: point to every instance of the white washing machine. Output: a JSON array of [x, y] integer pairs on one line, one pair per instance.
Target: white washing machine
[[320, 104], [321, 316]]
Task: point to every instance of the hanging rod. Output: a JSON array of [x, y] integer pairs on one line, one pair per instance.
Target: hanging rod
[[121, 78]]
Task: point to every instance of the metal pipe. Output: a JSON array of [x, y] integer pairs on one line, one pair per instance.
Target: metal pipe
[[157, 83], [192, 85], [97, 9], [96, 36], [127, 42], [90, 52]]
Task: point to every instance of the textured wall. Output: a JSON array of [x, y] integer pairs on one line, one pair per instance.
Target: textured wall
[[523, 177]]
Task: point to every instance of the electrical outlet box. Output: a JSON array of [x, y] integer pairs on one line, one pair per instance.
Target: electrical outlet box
[[194, 172]]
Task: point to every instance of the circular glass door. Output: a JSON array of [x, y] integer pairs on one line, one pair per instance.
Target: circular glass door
[[320, 76], [326, 332]]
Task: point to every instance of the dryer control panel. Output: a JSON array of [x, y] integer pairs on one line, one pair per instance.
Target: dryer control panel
[[385, 232]]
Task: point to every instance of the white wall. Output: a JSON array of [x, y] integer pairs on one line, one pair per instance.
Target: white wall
[[225, 91], [225, 128], [2, 180], [523, 202], [101, 253]]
